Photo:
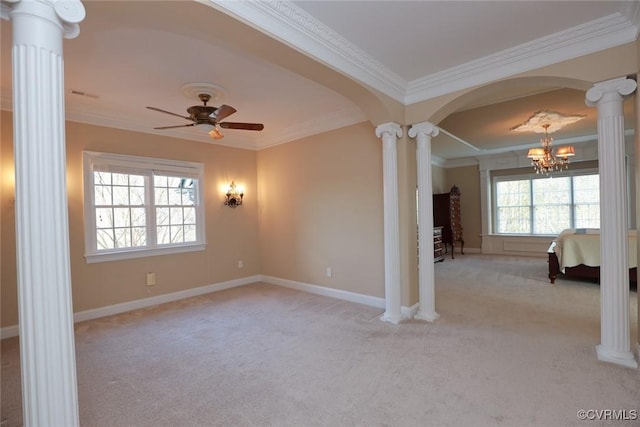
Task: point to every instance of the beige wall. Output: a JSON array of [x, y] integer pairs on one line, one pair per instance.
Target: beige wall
[[309, 205], [232, 234], [439, 182], [321, 206], [467, 178]]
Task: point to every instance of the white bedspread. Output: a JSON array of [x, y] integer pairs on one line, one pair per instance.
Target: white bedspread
[[582, 246]]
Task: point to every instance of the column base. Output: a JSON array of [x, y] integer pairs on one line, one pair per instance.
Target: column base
[[429, 317], [620, 358], [392, 318]]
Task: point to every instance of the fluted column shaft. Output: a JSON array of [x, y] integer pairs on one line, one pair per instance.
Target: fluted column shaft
[[49, 387], [615, 343], [423, 132], [390, 132]]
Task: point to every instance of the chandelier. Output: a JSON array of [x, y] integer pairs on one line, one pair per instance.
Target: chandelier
[[544, 160]]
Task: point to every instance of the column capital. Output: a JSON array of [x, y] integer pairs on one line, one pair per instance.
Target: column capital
[[426, 128], [619, 87], [65, 13], [391, 128]]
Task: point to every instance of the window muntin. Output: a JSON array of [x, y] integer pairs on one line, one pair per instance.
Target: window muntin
[[175, 209], [513, 210], [586, 201], [119, 203], [546, 206], [138, 206], [551, 205]]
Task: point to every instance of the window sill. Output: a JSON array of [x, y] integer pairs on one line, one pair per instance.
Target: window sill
[[545, 236], [141, 253]]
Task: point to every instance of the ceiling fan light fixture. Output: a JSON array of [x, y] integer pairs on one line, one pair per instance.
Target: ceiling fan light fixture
[[207, 116], [215, 133]]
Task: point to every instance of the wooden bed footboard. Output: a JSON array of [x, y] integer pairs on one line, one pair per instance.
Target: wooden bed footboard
[[580, 271]]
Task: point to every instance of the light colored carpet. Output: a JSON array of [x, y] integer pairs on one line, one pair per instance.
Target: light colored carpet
[[510, 349]]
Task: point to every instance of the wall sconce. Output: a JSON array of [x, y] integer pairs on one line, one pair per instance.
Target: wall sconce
[[234, 196]]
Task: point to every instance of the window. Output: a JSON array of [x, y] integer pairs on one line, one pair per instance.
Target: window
[[525, 205], [138, 206]]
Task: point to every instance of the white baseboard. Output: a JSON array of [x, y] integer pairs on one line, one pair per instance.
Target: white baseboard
[[472, 250], [407, 312], [327, 292], [81, 316], [9, 331]]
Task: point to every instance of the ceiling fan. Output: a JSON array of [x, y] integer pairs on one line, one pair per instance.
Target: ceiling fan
[[211, 116]]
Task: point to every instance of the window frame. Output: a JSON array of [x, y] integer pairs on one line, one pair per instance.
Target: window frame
[[147, 166], [530, 177]]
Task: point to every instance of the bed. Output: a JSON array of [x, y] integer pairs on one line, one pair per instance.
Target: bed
[[576, 253]]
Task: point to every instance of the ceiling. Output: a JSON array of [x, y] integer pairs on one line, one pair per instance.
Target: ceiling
[[269, 58]]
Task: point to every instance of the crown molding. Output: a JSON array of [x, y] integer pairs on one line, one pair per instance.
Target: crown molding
[[594, 36], [293, 26], [459, 163], [632, 11], [438, 161], [321, 124]]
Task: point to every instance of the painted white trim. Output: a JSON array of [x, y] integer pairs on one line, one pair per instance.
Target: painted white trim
[[9, 331], [285, 21], [325, 123], [473, 250], [320, 124], [325, 291], [96, 313], [148, 167], [600, 34], [406, 312], [410, 312], [130, 254]]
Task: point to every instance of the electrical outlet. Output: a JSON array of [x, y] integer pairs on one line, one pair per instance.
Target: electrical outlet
[[240, 264], [151, 279], [328, 271]]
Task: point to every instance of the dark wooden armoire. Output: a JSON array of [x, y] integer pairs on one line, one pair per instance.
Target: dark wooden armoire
[[446, 214]]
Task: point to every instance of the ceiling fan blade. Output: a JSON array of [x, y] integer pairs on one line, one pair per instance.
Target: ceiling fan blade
[[244, 126], [178, 126], [169, 112], [222, 112]]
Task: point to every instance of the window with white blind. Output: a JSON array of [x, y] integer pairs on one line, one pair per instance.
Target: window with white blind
[[140, 206], [546, 206]]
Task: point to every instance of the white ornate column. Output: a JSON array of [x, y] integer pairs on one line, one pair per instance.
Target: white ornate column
[[423, 132], [49, 386], [390, 132], [637, 199], [615, 344]]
